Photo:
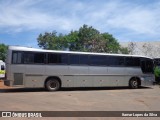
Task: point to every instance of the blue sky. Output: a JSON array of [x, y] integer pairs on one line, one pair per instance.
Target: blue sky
[[21, 21]]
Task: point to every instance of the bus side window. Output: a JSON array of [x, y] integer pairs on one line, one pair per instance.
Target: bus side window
[[98, 60], [17, 57], [56, 58], [74, 59], [83, 60], [28, 58], [39, 57], [115, 61]]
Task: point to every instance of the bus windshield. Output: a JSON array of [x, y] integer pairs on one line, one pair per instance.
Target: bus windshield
[[147, 66]]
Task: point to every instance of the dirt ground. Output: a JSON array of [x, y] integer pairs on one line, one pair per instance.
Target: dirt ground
[[2, 85], [81, 99]]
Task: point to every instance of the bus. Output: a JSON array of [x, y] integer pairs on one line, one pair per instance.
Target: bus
[[2, 69], [51, 69]]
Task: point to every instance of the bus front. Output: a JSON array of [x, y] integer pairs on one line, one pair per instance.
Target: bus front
[[147, 66]]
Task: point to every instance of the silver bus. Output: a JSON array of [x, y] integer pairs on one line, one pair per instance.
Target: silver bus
[[34, 68]]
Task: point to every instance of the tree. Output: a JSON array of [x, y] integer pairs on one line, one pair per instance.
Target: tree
[[91, 40], [86, 38], [123, 50], [72, 41], [157, 74], [3, 51], [157, 71], [112, 45]]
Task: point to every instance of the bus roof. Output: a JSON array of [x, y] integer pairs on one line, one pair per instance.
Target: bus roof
[[20, 48]]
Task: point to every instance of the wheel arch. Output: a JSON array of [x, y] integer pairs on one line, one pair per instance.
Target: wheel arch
[[137, 78], [53, 77]]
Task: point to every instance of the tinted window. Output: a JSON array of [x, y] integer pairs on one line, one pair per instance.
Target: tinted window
[[136, 61], [74, 59], [39, 58], [30, 58], [58, 58], [83, 59], [115, 60], [16, 57], [132, 61], [157, 61], [147, 66], [2, 67], [129, 61], [97, 60]]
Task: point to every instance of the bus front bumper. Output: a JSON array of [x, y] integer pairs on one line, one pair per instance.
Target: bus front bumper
[[147, 81]]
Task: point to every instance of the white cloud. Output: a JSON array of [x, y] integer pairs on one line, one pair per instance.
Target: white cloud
[[64, 15], [139, 20]]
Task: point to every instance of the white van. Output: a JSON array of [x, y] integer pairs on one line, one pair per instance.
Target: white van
[[2, 69]]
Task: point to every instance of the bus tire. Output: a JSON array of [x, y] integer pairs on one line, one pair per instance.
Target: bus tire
[[52, 84], [133, 83]]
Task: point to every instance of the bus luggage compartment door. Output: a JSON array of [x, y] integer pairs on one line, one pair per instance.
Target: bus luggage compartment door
[[18, 79]]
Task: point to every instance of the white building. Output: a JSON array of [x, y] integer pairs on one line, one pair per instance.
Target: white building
[[150, 49]]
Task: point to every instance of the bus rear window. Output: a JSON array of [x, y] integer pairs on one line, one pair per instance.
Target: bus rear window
[[17, 57]]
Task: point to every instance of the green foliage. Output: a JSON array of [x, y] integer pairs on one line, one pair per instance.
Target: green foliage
[[3, 51], [124, 50], [86, 38], [157, 71]]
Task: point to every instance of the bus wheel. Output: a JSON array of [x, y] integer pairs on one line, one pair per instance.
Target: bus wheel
[[52, 84], [133, 83]]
